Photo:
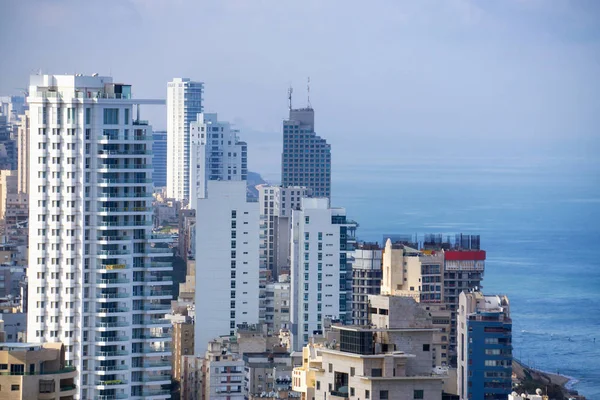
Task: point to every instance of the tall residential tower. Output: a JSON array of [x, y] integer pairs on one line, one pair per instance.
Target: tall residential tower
[[217, 154], [95, 283], [184, 102], [306, 157]]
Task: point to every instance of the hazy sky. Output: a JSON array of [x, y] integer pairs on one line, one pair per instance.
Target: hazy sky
[[391, 81]]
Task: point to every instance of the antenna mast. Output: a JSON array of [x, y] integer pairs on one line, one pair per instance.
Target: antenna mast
[[308, 93], [290, 91]]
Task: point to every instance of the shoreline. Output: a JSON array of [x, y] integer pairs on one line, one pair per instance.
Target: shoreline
[[564, 381]]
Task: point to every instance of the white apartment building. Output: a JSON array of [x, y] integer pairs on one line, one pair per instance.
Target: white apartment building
[[217, 154], [276, 204], [321, 279], [184, 103], [227, 262], [94, 281]]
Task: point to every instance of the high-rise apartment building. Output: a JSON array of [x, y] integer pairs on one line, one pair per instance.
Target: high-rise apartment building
[[321, 276], [227, 261], [95, 283], [276, 205], [484, 347], [184, 103], [366, 279], [159, 159], [216, 154], [306, 157]]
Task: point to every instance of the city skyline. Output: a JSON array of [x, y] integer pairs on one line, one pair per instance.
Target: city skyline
[[459, 74]]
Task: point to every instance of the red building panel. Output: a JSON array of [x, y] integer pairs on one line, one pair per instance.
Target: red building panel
[[464, 255]]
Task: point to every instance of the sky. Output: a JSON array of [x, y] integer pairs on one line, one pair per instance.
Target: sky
[[392, 81]]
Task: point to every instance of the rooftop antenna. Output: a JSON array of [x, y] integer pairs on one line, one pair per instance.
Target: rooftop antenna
[[290, 91], [308, 92]]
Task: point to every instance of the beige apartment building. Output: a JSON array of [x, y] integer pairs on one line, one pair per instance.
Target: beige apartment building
[[35, 371], [391, 359], [183, 344], [418, 274]]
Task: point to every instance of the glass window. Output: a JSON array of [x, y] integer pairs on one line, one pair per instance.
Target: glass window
[[111, 116]]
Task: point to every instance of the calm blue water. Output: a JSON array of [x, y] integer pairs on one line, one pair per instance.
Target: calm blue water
[[540, 225]]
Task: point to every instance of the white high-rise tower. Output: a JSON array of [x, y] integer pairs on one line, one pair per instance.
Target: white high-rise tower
[[95, 283], [217, 154], [184, 102]]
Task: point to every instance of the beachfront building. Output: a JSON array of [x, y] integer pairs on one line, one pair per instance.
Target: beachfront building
[[321, 277], [306, 157], [227, 262], [94, 281], [366, 279], [276, 204], [484, 347], [184, 103], [390, 359]]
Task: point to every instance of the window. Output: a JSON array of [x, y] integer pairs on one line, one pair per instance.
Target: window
[[426, 347], [351, 391], [418, 394], [383, 394], [15, 388], [111, 116], [307, 220], [352, 371], [330, 367], [367, 394], [318, 385]]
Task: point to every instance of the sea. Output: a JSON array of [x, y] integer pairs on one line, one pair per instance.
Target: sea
[[539, 222]]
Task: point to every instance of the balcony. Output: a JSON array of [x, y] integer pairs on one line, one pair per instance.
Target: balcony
[[119, 281], [111, 382], [113, 310], [116, 353], [155, 293], [112, 252], [125, 196], [123, 181], [117, 324], [128, 153], [112, 167], [117, 396], [112, 339], [113, 238], [128, 210], [154, 364], [106, 296], [112, 267], [108, 368]]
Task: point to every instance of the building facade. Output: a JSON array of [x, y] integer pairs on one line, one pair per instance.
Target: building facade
[[159, 159], [34, 371], [276, 204], [484, 347], [321, 277], [94, 281], [183, 344], [23, 153], [389, 360], [306, 157], [227, 261], [216, 154], [184, 102], [278, 304], [366, 279]]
